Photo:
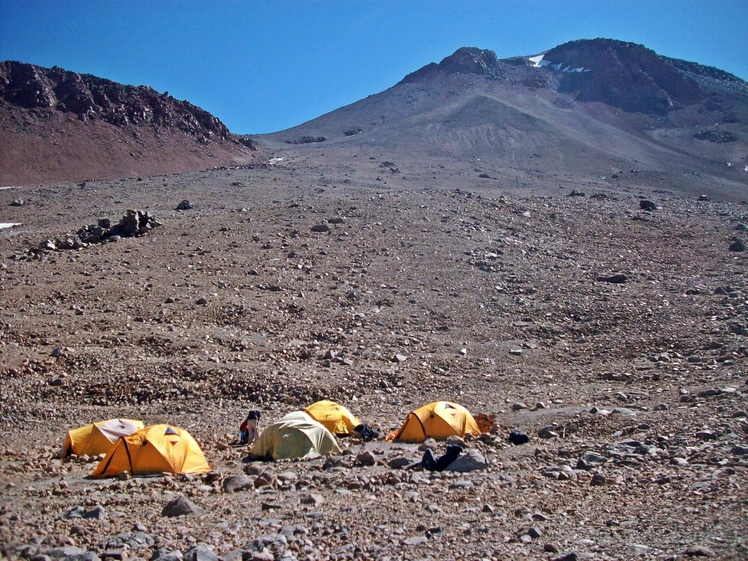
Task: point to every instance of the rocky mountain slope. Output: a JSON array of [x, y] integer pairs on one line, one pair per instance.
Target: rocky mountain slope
[[585, 110], [57, 125]]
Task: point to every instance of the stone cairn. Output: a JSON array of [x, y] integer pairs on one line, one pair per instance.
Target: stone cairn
[[133, 223]]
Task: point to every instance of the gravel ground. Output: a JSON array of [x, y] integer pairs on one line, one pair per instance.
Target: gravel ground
[[618, 333]]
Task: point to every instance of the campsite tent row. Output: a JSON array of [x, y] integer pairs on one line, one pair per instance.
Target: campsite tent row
[[162, 448]]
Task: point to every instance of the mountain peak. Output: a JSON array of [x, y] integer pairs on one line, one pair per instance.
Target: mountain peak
[[621, 74], [465, 60]]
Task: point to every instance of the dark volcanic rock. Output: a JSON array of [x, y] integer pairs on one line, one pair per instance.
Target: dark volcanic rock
[[647, 205], [90, 97], [180, 506], [737, 245], [517, 437], [621, 74], [465, 60]]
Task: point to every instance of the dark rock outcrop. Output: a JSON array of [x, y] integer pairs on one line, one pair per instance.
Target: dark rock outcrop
[[465, 60], [90, 97], [625, 75]]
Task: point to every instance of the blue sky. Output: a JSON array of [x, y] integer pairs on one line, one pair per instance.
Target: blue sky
[[262, 66]]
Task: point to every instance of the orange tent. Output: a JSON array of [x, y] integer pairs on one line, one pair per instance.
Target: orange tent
[[98, 438], [439, 420], [334, 417], [154, 449]]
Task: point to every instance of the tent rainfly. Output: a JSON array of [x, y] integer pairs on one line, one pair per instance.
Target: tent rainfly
[[154, 449], [438, 420], [98, 438], [334, 417], [296, 435]]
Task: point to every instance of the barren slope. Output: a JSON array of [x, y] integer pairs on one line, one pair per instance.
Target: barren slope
[[514, 118]]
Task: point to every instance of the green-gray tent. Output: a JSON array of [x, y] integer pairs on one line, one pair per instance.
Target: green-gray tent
[[296, 435]]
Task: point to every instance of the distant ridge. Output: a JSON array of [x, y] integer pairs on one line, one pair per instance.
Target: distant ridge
[[59, 125]]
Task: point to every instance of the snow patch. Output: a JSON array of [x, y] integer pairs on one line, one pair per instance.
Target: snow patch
[[9, 224], [538, 61], [561, 68]]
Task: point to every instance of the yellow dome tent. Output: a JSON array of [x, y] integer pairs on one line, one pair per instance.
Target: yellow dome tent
[[154, 449], [98, 438], [439, 420], [296, 435], [335, 418]]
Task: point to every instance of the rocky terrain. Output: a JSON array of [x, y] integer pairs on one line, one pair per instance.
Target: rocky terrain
[[617, 333], [59, 125], [603, 316]]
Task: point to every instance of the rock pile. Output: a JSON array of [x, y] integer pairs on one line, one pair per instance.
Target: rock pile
[[133, 223]]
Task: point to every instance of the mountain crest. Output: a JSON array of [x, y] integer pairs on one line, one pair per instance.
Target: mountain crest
[[90, 97], [465, 60], [621, 74]]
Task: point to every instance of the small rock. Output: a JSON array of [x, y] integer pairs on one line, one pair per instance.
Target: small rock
[[366, 458], [618, 278], [699, 551], [163, 554], [265, 479], [320, 228], [184, 205], [399, 462], [517, 437], [706, 435], [76, 512], [548, 432], [572, 556], [598, 479], [200, 553], [235, 483], [263, 555], [180, 506], [96, 513], [647, 205], [589, 460], [313, 499], [471, 460], [623, 411], [737, 245]]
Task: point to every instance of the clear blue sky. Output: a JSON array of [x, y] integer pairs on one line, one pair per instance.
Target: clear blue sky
[[262, 66]]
